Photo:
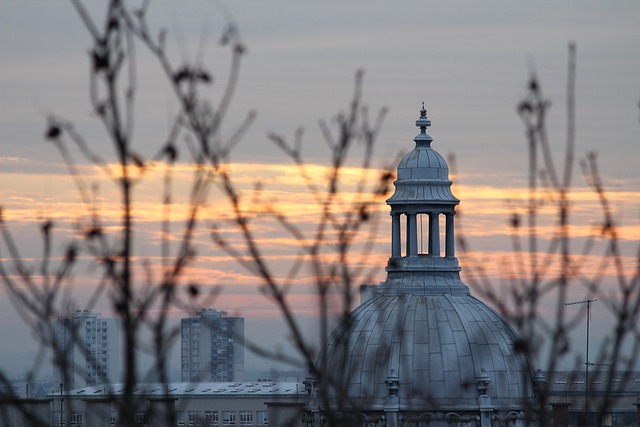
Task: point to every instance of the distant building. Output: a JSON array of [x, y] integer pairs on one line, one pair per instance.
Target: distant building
[[612, 398], [250, 404], [212, 347], [282, 403], [89, 350]]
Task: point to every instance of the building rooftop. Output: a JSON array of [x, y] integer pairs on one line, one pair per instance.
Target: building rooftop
[[600, 381], [220, 389]]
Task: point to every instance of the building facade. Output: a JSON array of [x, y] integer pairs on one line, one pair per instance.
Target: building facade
[[212, 347], [282, 404], [204, 404], [88, 350]]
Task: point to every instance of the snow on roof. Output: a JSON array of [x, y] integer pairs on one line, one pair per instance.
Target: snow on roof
[[219, 389]]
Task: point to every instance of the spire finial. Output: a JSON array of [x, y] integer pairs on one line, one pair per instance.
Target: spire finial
[[423, 122]]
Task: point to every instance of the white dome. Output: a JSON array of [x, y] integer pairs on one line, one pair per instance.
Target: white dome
[[423, 174], [436, 345]]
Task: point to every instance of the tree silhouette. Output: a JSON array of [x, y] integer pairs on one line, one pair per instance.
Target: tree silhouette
[[332, 254]]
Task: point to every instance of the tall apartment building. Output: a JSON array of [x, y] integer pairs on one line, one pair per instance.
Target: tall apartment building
[[90, 352], [212, 347]]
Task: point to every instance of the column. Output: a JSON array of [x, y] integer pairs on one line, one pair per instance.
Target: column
[[434, 234], [484, 401], [392, 407], [450, 237], [395, 234], [412, 235]]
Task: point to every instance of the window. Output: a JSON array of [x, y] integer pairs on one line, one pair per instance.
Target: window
[[142, 417], [246, 418], [261, 418], [228, 418], [76, 419], [193, 417], [211, 417]]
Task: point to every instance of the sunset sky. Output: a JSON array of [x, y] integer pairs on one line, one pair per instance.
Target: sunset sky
[[468, 61]]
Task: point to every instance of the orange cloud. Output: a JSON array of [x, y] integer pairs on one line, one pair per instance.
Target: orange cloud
[[483, 220]]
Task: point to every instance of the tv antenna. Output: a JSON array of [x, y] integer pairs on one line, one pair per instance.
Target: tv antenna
[[587, 363]]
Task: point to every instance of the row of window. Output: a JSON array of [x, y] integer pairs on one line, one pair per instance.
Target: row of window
[[210, 418], [225, 418], [59, 418]]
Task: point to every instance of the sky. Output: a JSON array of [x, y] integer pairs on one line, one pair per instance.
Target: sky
[[468, 61]]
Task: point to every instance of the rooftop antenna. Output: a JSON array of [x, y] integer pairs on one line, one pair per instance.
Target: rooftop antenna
[[586, 362]]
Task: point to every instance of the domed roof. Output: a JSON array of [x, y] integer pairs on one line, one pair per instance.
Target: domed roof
[[423, 162], [422, 343], [423, 174], [436, 346]]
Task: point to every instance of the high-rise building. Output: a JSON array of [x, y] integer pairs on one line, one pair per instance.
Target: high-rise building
[[89, 350], [212, 347]]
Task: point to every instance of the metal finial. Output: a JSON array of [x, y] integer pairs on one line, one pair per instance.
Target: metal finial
[[423, 122], [423, 112]]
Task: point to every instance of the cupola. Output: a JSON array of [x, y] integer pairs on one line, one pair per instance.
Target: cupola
[[423, 258]]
